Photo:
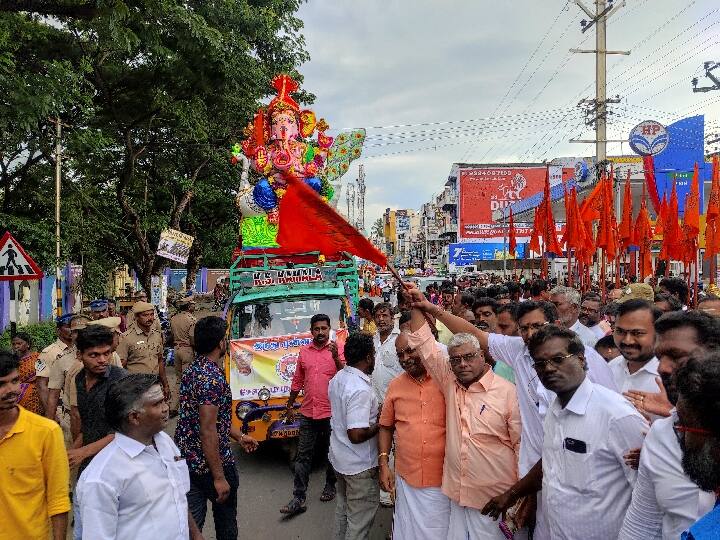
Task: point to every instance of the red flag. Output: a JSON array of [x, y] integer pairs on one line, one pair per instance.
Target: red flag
[[712, 215], [512, 240], [607, 227], [691, 219], [626, 225], [534, 244], [308, 223], [672, 235], [551, 242], [649, 168], [591, 206], [643, 238]]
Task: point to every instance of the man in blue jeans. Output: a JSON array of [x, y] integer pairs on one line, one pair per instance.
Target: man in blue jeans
[[204, 430]]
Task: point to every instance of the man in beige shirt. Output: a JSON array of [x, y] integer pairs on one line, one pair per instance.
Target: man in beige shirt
[[141, 347], [51, 353]]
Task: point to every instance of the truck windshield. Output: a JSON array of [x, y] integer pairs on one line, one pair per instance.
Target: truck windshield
[[281, 318]]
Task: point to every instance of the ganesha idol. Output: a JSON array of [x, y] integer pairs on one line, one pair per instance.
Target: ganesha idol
[[280, 144]]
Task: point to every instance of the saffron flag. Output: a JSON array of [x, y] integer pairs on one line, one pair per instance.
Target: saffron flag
[[649, 169], [308, 223], [661, 217], [691, 218], [626, 225], [551, 242], [607, 228], [512, 240], [712, 215], [591, 206], [643, 238]]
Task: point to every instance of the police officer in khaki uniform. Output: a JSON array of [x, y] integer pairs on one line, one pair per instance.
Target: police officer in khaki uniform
[[51, 353], [140, 296], [141, 346], [181, 326]]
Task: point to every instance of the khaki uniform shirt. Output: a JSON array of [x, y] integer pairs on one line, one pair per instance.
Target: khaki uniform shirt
[[47, 357], [182, 326], [141, 350], [60, 367]]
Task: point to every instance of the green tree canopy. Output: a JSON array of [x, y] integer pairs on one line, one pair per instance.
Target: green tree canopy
[[152, 94]]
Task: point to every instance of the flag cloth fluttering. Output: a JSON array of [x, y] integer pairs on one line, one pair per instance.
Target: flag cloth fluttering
[[649, 169], [691, 221], [548, 221], [626, 225], [512, 240], [672, 234], [643, 238], [607, 228], [712, 215], [308, 223]]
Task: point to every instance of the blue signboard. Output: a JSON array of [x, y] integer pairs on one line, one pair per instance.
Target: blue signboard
[[462, 254], [686, 147]]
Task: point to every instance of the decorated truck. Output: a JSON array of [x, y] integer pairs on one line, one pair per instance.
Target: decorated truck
[[276, 287]]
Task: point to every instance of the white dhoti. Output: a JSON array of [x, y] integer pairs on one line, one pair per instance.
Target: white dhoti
[[469, 524], [420, 513]]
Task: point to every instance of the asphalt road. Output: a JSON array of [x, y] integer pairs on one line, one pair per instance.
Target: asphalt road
[[266, 485]]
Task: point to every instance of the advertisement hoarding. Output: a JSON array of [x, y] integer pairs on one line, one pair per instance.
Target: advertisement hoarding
[[470, 252], [486, 189]]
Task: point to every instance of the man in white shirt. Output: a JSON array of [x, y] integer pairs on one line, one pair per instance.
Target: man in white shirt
[[567, 302], [353, 440], [591, 315], [665, 501], [533, 398], [586, 482], [114, 499], [637, 367], [387, 365]]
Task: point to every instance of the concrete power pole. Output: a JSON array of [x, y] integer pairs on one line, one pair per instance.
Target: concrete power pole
[[58, 176], [597, 111]]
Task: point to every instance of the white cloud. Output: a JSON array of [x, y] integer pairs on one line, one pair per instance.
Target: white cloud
[[378, 63]]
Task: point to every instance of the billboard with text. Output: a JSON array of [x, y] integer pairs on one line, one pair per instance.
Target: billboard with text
[[483, 190]]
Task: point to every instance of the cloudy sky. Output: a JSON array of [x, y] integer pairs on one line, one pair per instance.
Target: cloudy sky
[[479, 81]]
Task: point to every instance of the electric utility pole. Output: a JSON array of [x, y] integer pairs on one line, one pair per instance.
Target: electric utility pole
[[596, 110], [361, 199], [58, 176], [709, 67]]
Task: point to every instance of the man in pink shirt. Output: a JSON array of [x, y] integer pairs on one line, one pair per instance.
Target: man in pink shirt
[[482, 439], [316, 365]]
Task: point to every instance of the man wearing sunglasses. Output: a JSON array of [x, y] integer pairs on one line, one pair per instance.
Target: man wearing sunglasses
[[665, 501], [698, 433], [586, 483]]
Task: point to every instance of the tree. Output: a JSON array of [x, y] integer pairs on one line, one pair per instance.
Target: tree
[[378, 228], [154, 94]]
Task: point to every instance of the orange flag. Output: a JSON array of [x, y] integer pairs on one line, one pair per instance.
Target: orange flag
[[551, 242], [712, 215], [308, 223], [591, 207], [643, 238], [512, 240], [607, 227], [672, 235], [626, 225], [661, 216], [691, 219], [534, 244]]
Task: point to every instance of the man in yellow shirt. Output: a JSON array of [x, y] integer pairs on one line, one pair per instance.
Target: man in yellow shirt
[[33, 467]]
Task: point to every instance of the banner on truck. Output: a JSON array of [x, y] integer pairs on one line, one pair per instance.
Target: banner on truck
[[267, 362]]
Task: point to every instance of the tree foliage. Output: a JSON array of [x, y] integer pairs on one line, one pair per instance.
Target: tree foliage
[[152, 94]]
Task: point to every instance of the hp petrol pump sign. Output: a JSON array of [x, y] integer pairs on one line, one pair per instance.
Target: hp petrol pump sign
[[649, 138]]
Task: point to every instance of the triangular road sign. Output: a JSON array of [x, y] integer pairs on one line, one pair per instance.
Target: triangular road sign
[[15, 264]]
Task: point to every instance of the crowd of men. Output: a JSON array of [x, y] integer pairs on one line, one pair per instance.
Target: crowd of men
[[476, 410]]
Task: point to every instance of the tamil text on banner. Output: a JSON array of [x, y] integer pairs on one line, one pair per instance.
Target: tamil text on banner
[[174, 245], [267, 362], [482, 190]]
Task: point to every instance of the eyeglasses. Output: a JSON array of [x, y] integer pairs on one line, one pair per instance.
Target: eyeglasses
[[621, 332], [534, 326], [681, 430], [467, 358], [556, 361]]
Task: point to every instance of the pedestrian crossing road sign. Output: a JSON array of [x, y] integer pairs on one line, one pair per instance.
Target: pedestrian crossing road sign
[[14, 262]]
